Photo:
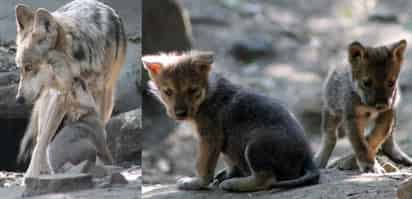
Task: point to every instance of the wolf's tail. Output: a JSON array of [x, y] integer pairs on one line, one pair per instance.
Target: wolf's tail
[[310, 177]]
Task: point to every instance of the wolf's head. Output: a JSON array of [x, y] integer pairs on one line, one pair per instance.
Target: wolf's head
[[180, 81], [375, 72], [38, 34]]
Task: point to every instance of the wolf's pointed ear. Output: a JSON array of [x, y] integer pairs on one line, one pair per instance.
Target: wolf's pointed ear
[[44, 22], [203, 60], [154, 68], [356, 52], [24, 16], [398, 49]]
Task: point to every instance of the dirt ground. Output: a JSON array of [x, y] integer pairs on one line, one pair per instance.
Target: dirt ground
[[303, 40]]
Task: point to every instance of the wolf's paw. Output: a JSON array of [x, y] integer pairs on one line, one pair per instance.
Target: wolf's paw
[[228, 185], [189, 183]]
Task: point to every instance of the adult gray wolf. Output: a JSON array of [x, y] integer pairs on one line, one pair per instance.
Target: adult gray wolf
[[84, 38]]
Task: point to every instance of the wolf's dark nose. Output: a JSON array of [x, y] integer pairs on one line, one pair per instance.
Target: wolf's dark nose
[[181, 113], [20, 100]]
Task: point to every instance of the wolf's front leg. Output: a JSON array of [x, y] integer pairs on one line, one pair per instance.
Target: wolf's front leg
[[365, 156], [54, 111], [205, 166]]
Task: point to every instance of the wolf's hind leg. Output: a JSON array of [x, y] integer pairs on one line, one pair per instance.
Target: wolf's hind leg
[[330, 124], [395, 153]]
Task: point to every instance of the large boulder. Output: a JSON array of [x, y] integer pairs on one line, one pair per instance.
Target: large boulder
[[124, 136]]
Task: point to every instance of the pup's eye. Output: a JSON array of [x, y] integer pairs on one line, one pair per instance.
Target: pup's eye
[[192, 91], [168, 92], [367, 83], [391, 83]]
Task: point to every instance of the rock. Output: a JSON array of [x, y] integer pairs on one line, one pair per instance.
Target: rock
[[124, 136], [98, 171], [57, 183], [383, 15], [7, 78], [334, 184], [83, 167], [405, 189], [254, 47], [117, 178], [157, 31]]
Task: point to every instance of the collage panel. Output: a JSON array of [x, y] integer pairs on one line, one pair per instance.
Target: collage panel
[[276, 99], [70, 104]]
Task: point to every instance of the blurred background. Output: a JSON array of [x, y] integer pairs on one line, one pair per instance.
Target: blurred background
[[282, 48]]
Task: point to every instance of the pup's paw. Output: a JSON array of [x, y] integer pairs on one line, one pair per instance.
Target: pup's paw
[[227, 185], [374, 167], [221, 176], [189, 183]]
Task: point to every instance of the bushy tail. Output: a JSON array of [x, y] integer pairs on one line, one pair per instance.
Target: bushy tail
[[310, 177]]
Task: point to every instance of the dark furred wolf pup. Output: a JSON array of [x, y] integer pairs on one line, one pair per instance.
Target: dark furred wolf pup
[[262, 143], [364, 92]]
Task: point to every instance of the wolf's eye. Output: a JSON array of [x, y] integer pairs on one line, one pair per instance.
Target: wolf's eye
[[391, 83], [168, 92], [28, 67], [367, 83], [193, 91]]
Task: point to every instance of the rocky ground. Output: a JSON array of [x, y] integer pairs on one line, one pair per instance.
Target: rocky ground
[[11, 187], [285, 49]]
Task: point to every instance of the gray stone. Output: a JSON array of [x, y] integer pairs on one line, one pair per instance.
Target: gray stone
[[57, 183], [405, 189], [117, 179], [124, 136], [253, 47]]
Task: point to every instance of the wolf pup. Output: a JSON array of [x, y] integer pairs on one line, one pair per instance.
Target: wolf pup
[[82, 137], [262, 143], [84, 38], [366, 92]]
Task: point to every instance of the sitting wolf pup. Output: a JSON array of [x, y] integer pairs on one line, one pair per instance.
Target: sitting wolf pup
[[83, 137], [262, 143], [365, 92]]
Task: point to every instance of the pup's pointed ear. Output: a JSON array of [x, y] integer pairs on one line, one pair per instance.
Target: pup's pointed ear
[[154, 68], [356, 52], [24, 16], [398, 49], [44, 22], [203, 60]]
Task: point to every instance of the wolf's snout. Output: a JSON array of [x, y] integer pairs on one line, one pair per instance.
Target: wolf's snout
[[20, 99]]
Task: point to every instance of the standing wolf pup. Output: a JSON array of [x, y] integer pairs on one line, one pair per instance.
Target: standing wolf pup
[[88, 38], [262, 143], [367, 91]]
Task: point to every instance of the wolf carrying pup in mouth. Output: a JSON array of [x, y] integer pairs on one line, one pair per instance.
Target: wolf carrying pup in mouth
[[84, 38], [262, 143]]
